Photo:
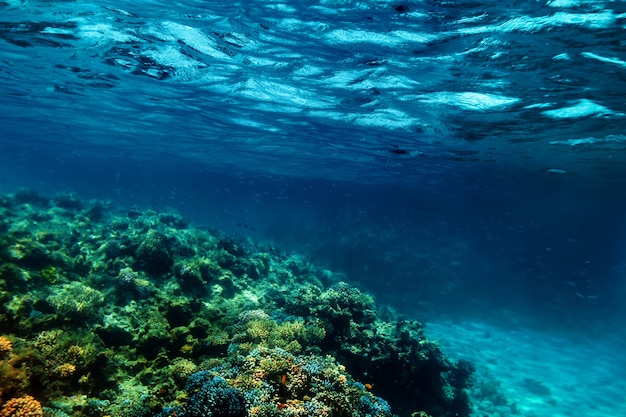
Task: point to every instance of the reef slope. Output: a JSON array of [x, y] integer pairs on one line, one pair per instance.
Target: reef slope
[[108, 312]]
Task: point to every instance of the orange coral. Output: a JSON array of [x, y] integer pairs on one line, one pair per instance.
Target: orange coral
[[25, 406], [5, 344]]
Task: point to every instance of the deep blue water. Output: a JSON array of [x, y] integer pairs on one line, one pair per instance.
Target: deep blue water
[[461, 158]]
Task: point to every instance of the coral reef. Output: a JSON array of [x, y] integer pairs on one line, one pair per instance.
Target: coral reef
[[398, 354], [25, 406], [138, 313], [273, 382]]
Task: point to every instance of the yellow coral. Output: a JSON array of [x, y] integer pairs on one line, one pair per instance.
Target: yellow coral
[[181, 369], [5, 344], [75, 351], [65, 370], [22, 407], [259, 330], [186, 349]]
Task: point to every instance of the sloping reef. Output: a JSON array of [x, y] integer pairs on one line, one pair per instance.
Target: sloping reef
[[138, 313]]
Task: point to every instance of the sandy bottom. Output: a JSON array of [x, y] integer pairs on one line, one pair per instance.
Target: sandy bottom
[[530, 373]]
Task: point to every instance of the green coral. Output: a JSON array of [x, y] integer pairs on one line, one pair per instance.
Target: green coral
[[257, 329], [75, 301], [50, 274]]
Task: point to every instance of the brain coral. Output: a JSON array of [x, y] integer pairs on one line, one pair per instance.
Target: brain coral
[[25, 406]]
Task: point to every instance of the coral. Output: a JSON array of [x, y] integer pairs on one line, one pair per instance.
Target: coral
[[112, 313], [5, 345], [396, 354], [181, 369], [232, 256], [213, 396], [461, 375], [127, 279], [29, 253], [14, 375], [230, 246], [174, 220], [131, 283], [75, 301], [171, 412], [367, 406], [189, 272], [26, 196], [50, 274], [154, 254], [49, 365], [128, 409], [255, 328], [25, 406], [65, 370], [190, 275], [273, 382], [338, 306], [61, 362], [52, 412]]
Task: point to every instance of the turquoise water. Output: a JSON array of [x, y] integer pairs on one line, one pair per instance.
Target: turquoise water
[[496, 127], [419, 93], [460, 160]]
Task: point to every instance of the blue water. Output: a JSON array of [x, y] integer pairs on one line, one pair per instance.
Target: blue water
[[460, 159], [417, 93]]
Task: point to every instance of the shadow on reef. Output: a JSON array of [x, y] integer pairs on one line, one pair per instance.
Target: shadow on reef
[[137, 313]]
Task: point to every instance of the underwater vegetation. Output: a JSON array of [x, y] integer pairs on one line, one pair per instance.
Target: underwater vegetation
[[108, 312]]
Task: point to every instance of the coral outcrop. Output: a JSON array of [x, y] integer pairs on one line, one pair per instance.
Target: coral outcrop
[[137, 313], [25, 406]]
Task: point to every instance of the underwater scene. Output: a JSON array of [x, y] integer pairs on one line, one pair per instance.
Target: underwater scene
[[334, 208]]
